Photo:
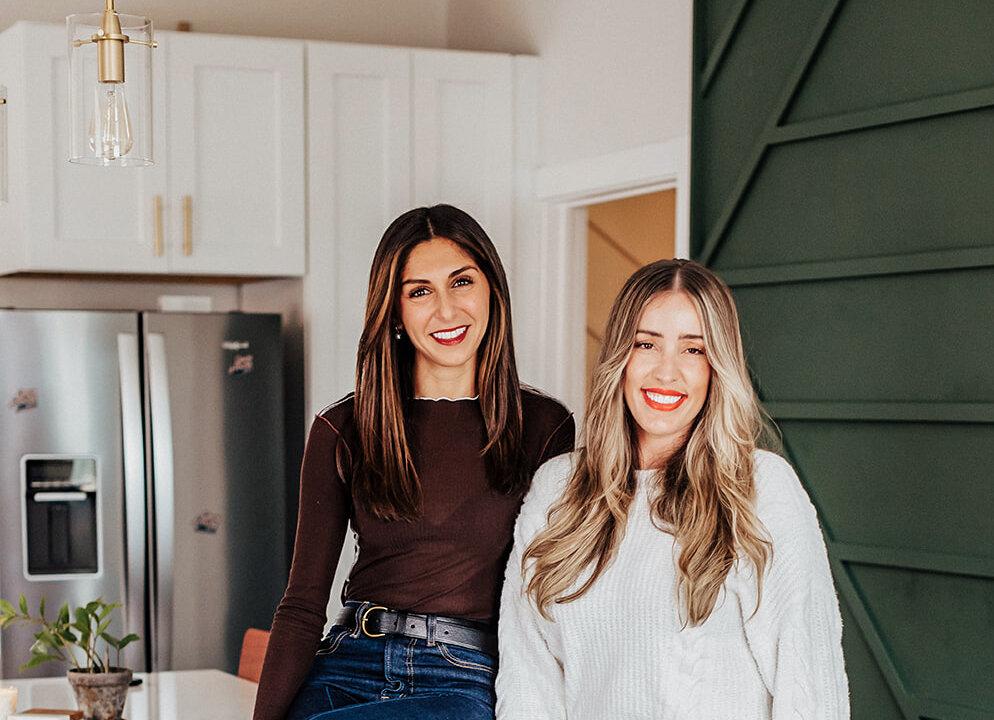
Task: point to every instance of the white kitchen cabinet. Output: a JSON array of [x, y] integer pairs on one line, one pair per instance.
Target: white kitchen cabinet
[[236, 154], [225, 197], [359, 179], [464, 136]]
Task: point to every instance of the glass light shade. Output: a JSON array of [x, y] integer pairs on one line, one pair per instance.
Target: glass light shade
[[110, 124]]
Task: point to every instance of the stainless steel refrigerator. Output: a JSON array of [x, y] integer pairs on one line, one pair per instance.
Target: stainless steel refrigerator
[[142, 461]]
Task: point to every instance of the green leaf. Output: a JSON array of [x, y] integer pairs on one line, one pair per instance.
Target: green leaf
[[82, 619], [82, 624], [50, 640], [39, 658], [107, 609], [81, 628]]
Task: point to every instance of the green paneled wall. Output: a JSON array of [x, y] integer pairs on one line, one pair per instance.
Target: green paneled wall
[[842, 184]]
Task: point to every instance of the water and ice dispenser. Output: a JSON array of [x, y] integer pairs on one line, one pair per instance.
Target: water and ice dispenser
[[60, 515]]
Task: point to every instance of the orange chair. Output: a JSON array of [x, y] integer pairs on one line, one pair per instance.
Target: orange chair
[[254, 645]]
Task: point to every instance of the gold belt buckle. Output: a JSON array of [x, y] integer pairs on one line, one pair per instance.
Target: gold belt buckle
[[365, 616]]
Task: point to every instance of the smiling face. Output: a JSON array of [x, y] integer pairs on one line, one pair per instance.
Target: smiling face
[[444, 310], [667, 375]]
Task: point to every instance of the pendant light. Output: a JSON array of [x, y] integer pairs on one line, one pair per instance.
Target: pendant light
[[110, 112]]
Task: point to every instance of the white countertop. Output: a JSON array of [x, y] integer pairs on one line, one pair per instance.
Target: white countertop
[[181, 695]]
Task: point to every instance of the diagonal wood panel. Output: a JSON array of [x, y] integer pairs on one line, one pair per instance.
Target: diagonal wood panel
[[868, 629], [721, 45], [773, 120], [902, 675]]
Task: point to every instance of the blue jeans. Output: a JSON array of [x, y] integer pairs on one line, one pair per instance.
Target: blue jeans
[[355, 677]]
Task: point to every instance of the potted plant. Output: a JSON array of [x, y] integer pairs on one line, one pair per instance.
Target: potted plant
[[80, 639]]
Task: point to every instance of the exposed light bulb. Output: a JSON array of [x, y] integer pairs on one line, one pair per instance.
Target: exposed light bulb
[[110, 124]]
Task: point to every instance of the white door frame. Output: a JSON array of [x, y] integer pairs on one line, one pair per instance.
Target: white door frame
[[555, 352]]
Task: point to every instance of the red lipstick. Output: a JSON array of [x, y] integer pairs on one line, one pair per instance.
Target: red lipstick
[[450, 336], [672, 399]]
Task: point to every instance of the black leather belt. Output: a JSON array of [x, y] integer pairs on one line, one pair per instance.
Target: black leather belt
[[377, 621]]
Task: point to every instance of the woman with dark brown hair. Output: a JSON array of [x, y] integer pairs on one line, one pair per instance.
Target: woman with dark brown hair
[[428, 460]]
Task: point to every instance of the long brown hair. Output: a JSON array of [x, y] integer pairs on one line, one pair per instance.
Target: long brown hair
[[705, 493], [385, 478]]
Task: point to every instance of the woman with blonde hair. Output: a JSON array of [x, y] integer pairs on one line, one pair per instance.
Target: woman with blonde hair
[[669, 569]]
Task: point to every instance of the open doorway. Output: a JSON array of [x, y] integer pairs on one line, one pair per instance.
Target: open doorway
[[555, 291], [622, 236]]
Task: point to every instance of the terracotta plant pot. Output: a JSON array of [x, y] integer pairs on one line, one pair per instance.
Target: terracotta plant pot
[[101, 696]]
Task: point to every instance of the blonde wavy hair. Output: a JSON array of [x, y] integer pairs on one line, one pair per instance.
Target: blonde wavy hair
[[705, 493]]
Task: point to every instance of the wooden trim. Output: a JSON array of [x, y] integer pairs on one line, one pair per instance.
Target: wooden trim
[[904, 559], [558, 317], [937, 261], [888, 115], [931, 708], [773, 120], [871, 635], [558, 321], [626, 171], [848, 591], [921, 412], [721, 45]]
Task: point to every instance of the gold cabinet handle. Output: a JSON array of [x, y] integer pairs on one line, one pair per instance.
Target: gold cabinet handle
[[188, 225], [157, 226]]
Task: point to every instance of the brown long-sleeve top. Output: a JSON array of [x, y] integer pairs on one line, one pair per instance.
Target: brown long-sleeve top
[[449, 562]]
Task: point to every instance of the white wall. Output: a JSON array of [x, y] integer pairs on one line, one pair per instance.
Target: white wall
[[386, 22], [616, 75]]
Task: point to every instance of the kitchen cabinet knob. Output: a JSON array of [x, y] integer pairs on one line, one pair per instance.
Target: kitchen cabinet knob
[[188, 225]]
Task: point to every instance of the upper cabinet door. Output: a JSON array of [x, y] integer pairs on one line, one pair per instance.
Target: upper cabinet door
[[80, 218], [236, 155], [359, 181], [463, 137]]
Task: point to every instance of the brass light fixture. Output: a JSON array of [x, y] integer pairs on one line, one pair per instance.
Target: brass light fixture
[[106, 128]]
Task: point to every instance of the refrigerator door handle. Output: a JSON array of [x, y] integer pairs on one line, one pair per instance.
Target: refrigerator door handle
[[132, 442], [59, 497], [162, 484]]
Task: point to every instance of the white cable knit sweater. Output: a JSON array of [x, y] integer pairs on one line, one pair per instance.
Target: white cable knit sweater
[[620, 652]]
